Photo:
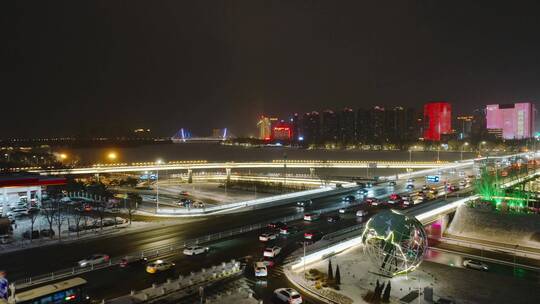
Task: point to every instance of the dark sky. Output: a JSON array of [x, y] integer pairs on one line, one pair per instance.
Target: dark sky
[[79, 67]]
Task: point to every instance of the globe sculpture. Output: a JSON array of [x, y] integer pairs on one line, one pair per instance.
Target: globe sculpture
[[394, 242]]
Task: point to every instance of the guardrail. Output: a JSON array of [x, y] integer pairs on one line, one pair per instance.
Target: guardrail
[[160, 250], [183, 285]]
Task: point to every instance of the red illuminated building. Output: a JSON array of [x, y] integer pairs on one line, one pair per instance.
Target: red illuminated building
[[437, 120], [282, 131]]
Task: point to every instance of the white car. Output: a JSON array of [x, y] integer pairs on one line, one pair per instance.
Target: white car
[[271, 251], [310, 217], [361, 213], [195, 250], [477, 265], [158, 266], [260, 269], [288, 295], [265, 237], [94, 260], [342, 210]]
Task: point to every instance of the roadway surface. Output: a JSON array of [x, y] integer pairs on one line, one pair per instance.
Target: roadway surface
[[115, 281]]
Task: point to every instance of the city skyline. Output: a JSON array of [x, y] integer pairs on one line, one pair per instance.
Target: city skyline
[[149, 66]]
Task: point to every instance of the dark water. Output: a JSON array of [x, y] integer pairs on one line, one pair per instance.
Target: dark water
[[217, 152]]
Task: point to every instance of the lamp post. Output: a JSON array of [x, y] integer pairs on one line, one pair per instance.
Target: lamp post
[[461, 153], [158, 162], [480, 147]]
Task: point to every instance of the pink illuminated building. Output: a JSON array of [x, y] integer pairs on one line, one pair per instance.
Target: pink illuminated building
[[515, 120]]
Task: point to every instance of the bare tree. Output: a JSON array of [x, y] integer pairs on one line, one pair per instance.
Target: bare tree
[[49, 212], [132, 202], [99, 208], [60, 217], [33, 215]]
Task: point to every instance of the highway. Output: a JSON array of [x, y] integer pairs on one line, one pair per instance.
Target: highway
[[115, 281]]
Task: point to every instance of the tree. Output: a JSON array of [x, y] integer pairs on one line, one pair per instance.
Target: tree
[[330, 271], [33, 215], [337, 277], [49, 212], [378, 292], [77, 217], [59, 218], [133, 201], [99, 207], [386, 294]]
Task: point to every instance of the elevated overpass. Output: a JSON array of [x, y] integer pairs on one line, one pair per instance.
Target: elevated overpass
[[205, 165]]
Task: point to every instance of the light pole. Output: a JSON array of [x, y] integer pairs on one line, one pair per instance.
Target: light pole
[[461, 153], [480, 147], [158, 162]]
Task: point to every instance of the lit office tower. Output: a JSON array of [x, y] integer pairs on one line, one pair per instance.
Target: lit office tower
[[516, 121], [437, 120], [265, 127]]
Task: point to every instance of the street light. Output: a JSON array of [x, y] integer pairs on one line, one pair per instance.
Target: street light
[[158, 162], [112, 156], [461, 154], [480, 147]]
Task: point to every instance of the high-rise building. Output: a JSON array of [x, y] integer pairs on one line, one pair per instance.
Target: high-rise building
[[437, 120], [347, 126], [377, 120], [282, 131], [265, 128], [517, 121], [329, 126], [311, 127], [478, 128], [464, 125], [295, 121], [363, 126]]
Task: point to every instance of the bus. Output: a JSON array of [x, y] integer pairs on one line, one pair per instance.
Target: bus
[[68, 291]]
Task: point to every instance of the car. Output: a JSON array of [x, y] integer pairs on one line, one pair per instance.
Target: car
[[332, 218], [371, 201], [462, 183], [94, 260], [391, 183], [312, 235], [195, 250], [410, 180], [305, 203], [349, 198], [158, 266], [310, 217], [477, 265], [268, 262], [126, 261], [265, 237], [260, 269], [343, 210], [409, 187], [46, 233], [288, 295], [369, 185], [184, 193], [17, 212], [271, 252], [288, 230], [276, 225], [362, 191], [28, 235], [361, 213], [394, 198], [6, 239]]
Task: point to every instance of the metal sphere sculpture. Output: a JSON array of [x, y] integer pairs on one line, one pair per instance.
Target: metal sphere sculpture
[[394, 242]]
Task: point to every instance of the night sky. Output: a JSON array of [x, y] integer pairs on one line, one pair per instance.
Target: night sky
[[102, 67]]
